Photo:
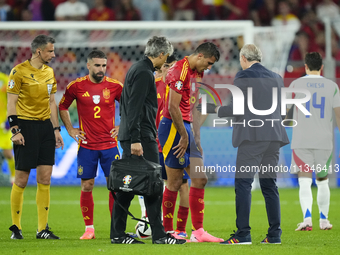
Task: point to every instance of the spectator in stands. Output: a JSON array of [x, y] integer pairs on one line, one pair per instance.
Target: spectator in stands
[[6, 13], [57, 2], [90, 3], [101, 12], [168, 10], [150, 9], [327, 8], [71, 10], [262, 12], [299, 7], [239, 10], [335, 49], [210, 9], [183, 9], [127, 11], [285, 18], [40, 10], [26, 15], [311, 25], [17, 7], [302, 45]]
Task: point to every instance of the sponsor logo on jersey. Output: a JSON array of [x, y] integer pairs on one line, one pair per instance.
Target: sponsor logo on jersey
[[106, 93], [96, 99], [179, 85], [11, 84], [86, 94], [169, 216], [49, 88]]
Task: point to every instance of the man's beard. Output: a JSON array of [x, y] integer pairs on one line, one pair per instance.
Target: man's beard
[[96, 77]]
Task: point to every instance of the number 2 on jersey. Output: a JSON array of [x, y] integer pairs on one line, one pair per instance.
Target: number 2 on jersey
[[96, 112], [321, 106]]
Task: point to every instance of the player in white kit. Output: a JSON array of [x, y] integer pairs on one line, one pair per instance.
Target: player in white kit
[[312, 141]]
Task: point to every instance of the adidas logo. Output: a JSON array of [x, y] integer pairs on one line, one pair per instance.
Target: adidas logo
[[179, 220], [86, 218], [86, 94], [170, 241], [45, 235], [201, 211], [169, 216], [158, 95]]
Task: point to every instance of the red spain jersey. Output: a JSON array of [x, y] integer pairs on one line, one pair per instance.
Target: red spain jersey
[[161, 92], [96, 109], [179, 79]]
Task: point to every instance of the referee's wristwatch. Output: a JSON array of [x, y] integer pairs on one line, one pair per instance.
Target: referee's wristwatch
[[57, 128], [15, 130]]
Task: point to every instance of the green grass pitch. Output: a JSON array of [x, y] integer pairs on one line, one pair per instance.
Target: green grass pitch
[[66, 221]]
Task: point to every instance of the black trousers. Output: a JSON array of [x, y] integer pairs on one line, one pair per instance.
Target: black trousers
[[252, 155], [153, 203]]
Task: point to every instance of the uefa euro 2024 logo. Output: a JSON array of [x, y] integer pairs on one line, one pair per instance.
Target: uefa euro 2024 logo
[[127, 180]]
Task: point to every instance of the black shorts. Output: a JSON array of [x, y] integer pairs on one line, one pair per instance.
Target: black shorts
[[39, 146]]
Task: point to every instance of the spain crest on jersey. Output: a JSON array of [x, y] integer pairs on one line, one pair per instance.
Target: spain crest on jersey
[[106, 93], [96, 99], [80, 170]]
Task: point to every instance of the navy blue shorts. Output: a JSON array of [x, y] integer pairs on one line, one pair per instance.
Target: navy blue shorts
[[164, 176], [169, 137], [88, 161]]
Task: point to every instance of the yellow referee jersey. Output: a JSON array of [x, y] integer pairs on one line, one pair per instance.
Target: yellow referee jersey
[[3, 97], [34, 87]]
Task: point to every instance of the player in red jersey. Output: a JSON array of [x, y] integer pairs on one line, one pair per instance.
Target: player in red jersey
[[95, 95], [178, 142], [183, 210]]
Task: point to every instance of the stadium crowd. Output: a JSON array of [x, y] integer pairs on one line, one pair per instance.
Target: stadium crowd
[[306, 15]]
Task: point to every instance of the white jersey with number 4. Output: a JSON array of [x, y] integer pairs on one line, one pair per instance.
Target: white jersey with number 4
[[315, 131]]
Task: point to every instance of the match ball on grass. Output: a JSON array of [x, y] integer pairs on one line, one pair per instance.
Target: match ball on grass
[[143, 230]]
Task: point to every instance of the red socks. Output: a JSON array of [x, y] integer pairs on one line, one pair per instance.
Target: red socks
[[111, 201], [182, 217], [87, 206], [196, 202], [168, 204]]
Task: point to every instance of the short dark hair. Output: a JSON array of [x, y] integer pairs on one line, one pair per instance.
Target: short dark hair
[[96, 54], [40, 42], [314, 61], [208, 49], [171, 58]]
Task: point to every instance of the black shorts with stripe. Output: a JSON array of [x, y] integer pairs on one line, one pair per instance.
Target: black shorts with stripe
[[39, 146]]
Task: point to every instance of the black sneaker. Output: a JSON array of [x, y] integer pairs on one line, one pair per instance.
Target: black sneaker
[[127, 239], [16, 232], [169, 239], [234, 239], [271, 240], [46, 234]]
